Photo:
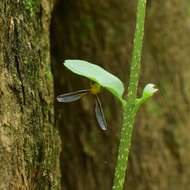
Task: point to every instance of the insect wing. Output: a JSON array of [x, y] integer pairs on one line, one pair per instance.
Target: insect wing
[[72, 96], [100, 114]]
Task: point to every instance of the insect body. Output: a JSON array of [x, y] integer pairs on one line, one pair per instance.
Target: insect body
[[94, 90]]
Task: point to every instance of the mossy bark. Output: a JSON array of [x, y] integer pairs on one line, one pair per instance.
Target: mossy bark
[[29, 142], [102, 32]]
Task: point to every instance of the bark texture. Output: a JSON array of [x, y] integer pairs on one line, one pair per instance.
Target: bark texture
[[102, 32], [29, 143]]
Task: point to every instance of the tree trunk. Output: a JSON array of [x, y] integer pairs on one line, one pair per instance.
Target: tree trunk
[[29, 143], [102, 32], [160, 158]]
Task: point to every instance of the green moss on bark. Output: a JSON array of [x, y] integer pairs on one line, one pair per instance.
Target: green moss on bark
[[29, 142], [30, 5]]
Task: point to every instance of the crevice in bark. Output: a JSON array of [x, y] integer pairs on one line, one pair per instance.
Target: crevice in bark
[[88, 154], [17, 61], [21, 81]]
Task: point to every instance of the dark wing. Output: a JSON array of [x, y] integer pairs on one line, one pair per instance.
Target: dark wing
[[72, 96], [100, 115]]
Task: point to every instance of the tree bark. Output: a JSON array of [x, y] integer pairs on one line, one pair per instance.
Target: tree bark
[[102, 32], [160, 158], [29, 142]]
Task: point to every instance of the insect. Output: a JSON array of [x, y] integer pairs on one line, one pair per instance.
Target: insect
[[94, 90]]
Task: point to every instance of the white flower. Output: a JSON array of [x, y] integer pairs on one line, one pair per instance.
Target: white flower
[[149, 90]]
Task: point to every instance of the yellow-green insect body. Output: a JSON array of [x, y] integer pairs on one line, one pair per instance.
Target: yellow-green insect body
[[95, 88]]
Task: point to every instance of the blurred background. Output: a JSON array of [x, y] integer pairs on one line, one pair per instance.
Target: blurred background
[[102, 32]]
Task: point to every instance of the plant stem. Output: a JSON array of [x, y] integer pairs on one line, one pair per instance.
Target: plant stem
[[129, 106]]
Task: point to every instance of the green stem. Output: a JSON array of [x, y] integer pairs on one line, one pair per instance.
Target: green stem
[[129, 106]]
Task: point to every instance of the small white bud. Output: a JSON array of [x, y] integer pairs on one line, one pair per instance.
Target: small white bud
[[149, 90]]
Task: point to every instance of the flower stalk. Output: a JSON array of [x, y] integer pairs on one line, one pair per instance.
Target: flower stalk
[[130, 106]]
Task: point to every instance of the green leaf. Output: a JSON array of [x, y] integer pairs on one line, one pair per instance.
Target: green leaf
[[96, 74]]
